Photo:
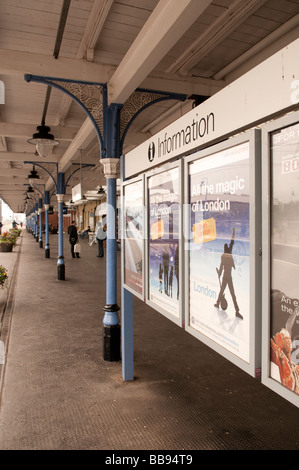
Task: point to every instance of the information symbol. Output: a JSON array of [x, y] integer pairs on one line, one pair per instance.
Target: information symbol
[[151, 151]]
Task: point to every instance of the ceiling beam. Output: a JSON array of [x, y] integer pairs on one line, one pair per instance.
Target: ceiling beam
[[8, 187], [25, 131], [95, 23], [167, 23], [18, 180], [25, 156], [172, 83], [18, 172], [20, 63]]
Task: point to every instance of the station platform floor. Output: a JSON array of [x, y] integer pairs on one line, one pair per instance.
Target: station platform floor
[[58, 393]]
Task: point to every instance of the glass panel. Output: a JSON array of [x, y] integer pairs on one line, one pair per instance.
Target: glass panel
[[133, 237], [164, 234], [219, 233], [284, 316]]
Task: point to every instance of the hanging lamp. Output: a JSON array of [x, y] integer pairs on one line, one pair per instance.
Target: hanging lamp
[[101, 190], [43, 140], [33, 174]]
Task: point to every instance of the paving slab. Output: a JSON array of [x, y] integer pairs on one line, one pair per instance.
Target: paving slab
[[58, 393]]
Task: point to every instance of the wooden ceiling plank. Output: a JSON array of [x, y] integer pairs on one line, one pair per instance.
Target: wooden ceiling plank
[[215, 33]]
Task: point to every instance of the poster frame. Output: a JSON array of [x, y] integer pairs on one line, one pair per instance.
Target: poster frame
[[267, 380], [161, 169], [124, 185], [253, 136]]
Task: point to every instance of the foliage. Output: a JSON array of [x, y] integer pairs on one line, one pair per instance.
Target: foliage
[[3, 276], [8, 238], [16, 232]]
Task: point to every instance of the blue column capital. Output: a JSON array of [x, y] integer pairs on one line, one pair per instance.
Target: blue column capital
[[60, 183], [47, 197]]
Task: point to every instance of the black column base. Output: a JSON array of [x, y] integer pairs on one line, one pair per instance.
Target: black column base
[[111, 343], [47, 252], [40, 243], [61, 272]]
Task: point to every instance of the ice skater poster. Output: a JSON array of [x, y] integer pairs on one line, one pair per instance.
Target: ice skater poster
[[163, 213], [219, 248]]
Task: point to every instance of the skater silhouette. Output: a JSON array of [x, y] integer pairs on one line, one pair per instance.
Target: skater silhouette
[[226, 265], [165, 270]]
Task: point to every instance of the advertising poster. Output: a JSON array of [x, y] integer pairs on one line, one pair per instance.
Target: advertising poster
[[164, 233], [219, 248], [133, 239], [284, 305]]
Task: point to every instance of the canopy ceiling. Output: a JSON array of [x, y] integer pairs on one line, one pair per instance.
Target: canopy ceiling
[[191, 47]]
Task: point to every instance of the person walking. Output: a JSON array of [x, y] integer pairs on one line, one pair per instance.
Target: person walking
[[73, 237], [101, 236]]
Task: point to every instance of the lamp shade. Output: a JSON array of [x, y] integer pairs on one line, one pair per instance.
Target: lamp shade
[[33, 174], [43, 140]]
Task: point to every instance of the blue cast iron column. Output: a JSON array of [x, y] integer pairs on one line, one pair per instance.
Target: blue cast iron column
[[111, 126], [36, 222], [40, 210], [111, 321], [60, 199], [47, 206]]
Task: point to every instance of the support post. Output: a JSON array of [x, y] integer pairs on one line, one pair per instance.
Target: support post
[[36, 223], [60, 199], [47, 206], [40, 210], [127, 336], [127, 314], [111, 322]]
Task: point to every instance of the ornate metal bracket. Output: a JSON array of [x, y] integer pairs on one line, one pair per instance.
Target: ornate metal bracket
[[88, 95], [92, 97], [139, 100]]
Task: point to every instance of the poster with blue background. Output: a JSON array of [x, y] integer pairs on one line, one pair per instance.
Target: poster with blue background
[[219, 225], [164, 234]]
